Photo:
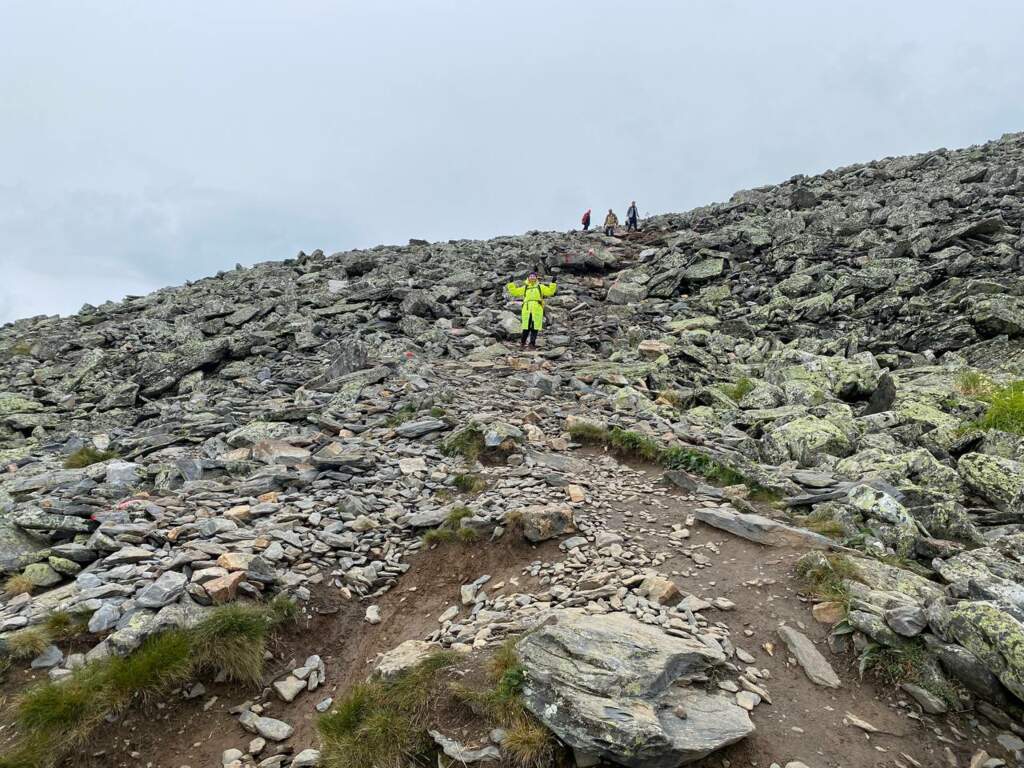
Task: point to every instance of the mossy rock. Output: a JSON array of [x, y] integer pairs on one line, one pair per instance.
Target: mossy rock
[[994, 478], [995, 637]]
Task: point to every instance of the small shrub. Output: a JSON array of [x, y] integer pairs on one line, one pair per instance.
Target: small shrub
[[1006, 409], [439, 535], [437, 412], [162, 661], [18, 585], [86, 456], [740, 389], [469, 482], [282, 611], [28, 643]]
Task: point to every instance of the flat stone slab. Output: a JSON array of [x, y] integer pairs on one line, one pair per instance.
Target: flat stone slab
[[815, 666], [762, 530]]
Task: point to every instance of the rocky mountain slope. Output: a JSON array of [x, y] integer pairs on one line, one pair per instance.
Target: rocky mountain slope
[[826, 365]]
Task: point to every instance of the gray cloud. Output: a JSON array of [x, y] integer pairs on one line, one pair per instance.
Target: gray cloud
[[144, 144]]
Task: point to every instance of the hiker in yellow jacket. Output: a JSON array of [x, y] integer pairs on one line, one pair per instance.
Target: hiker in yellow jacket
[[533, 293]]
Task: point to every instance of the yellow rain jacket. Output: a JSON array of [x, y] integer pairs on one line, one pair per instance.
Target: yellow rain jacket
[[533, 295]]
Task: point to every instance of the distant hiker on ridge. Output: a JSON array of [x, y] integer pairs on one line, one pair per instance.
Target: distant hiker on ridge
[[533, 293], [631, 217], [585, 221], [611, 221]]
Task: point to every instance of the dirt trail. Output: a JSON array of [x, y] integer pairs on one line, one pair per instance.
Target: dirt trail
[[804, 722]]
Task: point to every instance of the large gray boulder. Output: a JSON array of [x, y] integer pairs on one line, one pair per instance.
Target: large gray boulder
[[613, 687]]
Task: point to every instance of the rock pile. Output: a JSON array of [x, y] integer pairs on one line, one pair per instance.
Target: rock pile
[[832, 341]]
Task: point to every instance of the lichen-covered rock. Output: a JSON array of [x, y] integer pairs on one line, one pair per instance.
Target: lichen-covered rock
[[994, 478], [995, 637], [804, 440], [616, 688], [541, 522]]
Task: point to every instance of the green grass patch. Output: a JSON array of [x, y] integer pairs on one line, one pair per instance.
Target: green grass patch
[[470, 482], [740, 389], [582, 432], [383, 723], [451, 529], [405, 413], [528, 743], [635, 445], [1006, 409], [86, 456], [54, 719], [821, 521], [974, 384], [910, 662], [468, 443], [825, 575], [437, 411], [63, 625]]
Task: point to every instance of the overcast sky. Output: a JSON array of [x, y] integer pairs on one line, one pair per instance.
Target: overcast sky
[[143, 144]]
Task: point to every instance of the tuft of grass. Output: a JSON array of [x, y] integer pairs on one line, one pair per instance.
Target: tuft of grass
[[974, 384], [86, 456], [588, 433], [821, 521], [528, 743], [232, 640], [162, 661], [910, 662], [698, 463], [57, 718], [21, 349], [468, 443], [469, 482], [437, 412], [451, 529], [383, 722], [406, 413], [18, 585], [1006, 409], [635, 445], [28, 643], [825, 575], [740, 389], [62, 625]]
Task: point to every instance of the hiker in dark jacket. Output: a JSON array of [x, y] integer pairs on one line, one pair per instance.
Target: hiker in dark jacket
[[632, 217], [585, 221]]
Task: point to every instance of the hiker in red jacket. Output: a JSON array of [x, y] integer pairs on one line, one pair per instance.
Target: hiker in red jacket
[[585, 221]]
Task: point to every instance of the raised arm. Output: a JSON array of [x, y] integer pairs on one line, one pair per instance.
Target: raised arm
[[515, 290], [549, 289]]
